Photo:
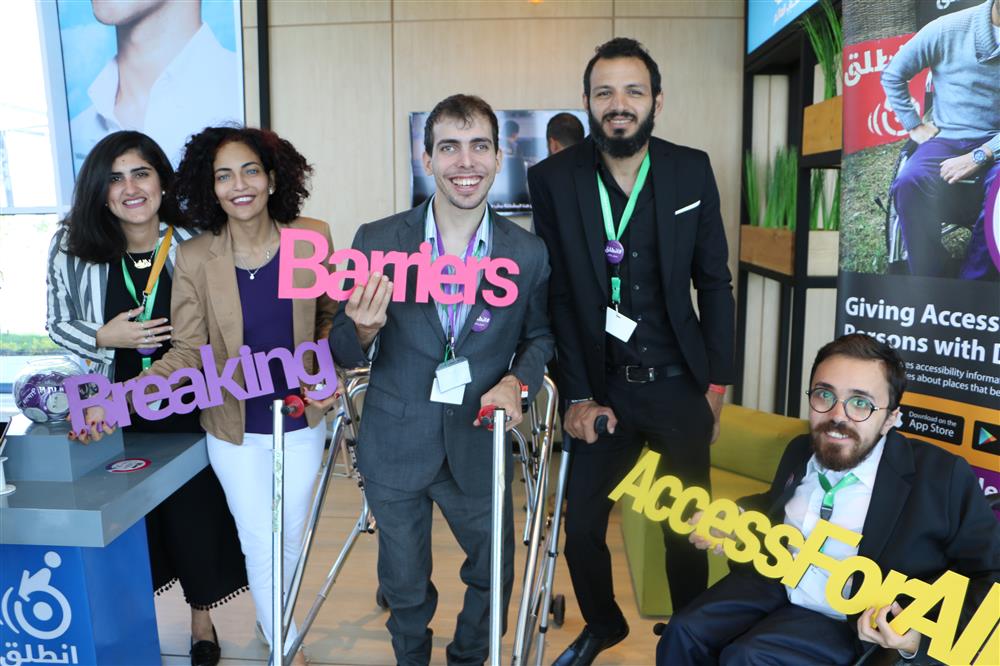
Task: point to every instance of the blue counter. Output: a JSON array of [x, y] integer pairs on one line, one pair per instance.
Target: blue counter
[[75, 584]]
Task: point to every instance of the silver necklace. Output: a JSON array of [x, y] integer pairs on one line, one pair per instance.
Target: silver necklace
[[253, 273], [141, 263]]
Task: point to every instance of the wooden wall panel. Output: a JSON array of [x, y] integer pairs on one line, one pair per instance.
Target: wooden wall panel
[[317, 12], [532, 67], [768, 346], [751, 341], [821, 315], [680, 8], [691, 52], [325, 101], [441, 10]]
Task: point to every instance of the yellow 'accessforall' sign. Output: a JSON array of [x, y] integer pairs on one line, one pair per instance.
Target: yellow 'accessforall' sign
[[772, 557]]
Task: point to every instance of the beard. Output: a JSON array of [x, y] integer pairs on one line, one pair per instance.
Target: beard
[[618, 146], [839, 457]]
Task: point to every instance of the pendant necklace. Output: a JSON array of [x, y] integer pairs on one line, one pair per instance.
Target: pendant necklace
[[145, 262], [253, 273]]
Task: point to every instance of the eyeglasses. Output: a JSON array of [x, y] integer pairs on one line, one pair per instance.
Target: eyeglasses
[[857, 408]]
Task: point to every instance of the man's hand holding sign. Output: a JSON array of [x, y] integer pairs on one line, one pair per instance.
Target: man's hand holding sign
[[367, 307]]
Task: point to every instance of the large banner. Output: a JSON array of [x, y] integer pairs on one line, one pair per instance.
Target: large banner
[[165, 69], [921, 218]]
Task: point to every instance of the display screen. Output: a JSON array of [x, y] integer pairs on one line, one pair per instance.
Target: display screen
[[767, 17], [522, 139]]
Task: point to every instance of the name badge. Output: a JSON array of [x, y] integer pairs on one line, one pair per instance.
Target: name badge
[[618, 325], [452, 397], [454, 373]]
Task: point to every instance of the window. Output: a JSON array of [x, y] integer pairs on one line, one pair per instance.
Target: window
[[30, 199]]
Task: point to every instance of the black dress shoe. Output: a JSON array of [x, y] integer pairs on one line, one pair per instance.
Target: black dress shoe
[[206, 653], [587, 646]]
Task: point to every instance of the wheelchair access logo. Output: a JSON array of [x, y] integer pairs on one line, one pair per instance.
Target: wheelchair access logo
[[35, 608]]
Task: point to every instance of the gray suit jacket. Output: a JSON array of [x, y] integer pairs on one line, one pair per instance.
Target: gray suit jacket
[[404, 437]]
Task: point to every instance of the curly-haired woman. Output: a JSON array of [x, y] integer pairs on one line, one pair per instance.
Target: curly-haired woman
[[99, 261], [242, 186]]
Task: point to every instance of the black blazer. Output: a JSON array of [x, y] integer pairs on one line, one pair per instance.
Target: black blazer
[[692, 247], [927, 515]]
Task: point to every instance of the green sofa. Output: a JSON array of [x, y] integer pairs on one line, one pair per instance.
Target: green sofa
[[743, 462]]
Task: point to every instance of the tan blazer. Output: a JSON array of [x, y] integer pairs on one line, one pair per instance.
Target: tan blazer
[[205, 308]]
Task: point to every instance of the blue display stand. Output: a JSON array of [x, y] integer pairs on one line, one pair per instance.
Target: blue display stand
[[65, 605], [75, 584]]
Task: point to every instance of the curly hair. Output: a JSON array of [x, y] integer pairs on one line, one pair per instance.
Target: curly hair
[[93, 233], [196, 179]]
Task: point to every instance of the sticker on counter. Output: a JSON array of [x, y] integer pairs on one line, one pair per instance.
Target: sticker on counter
[[126, 465]]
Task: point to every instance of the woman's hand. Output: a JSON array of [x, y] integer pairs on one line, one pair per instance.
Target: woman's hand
[[123, 333], [326, 403], [96, 428]]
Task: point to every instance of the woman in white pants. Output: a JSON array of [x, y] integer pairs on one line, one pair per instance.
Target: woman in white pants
[[241, 186]]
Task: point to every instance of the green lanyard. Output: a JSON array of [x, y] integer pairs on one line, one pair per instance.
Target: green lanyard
[[826, 509], [147, 301], [614, 237]]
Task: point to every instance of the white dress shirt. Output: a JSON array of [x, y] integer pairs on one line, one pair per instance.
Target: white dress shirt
[[201, 87], [850, 507]]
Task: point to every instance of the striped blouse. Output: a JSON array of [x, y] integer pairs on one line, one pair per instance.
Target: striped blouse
[[76, 291]]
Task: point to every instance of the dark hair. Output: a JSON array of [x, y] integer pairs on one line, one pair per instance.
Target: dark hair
[[93, 233], [867, 348], [564, 128], [464, 108], [196, 177], [623, 47], [510, 127]]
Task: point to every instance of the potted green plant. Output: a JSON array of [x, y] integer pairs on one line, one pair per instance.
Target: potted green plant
[[822, 124], [769, 240]]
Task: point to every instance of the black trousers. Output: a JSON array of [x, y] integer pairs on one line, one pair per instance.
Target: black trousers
[[747, 619], [673, 417]]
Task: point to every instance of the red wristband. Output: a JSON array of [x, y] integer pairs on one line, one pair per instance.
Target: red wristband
[[717, 388]]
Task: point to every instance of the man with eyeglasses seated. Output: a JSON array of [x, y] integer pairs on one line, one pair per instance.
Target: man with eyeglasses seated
[[919, 509]]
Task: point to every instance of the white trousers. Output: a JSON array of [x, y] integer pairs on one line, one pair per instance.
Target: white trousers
[[246, 474]]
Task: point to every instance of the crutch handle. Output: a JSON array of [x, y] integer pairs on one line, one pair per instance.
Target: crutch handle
[[294, 406], [485, 416], [601, 425]]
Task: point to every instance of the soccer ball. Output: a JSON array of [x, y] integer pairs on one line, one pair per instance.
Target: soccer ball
[[39, 391]]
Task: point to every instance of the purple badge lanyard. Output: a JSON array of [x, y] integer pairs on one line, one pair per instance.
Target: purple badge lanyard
[[614, 251], [452, 308]]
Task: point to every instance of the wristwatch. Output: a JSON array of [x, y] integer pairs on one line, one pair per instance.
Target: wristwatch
[[979, 157]]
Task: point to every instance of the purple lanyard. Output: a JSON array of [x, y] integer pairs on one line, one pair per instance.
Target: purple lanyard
[[452, 308]]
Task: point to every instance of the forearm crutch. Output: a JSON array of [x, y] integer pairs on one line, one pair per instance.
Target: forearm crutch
[[601, 427], [345, 438], [292, 405], [494, 418], [535, 586]]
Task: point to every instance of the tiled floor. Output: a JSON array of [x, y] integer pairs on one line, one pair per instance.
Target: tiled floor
[[350, 628]]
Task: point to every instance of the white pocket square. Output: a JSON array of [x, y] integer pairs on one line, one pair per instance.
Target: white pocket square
[[688, 207]]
